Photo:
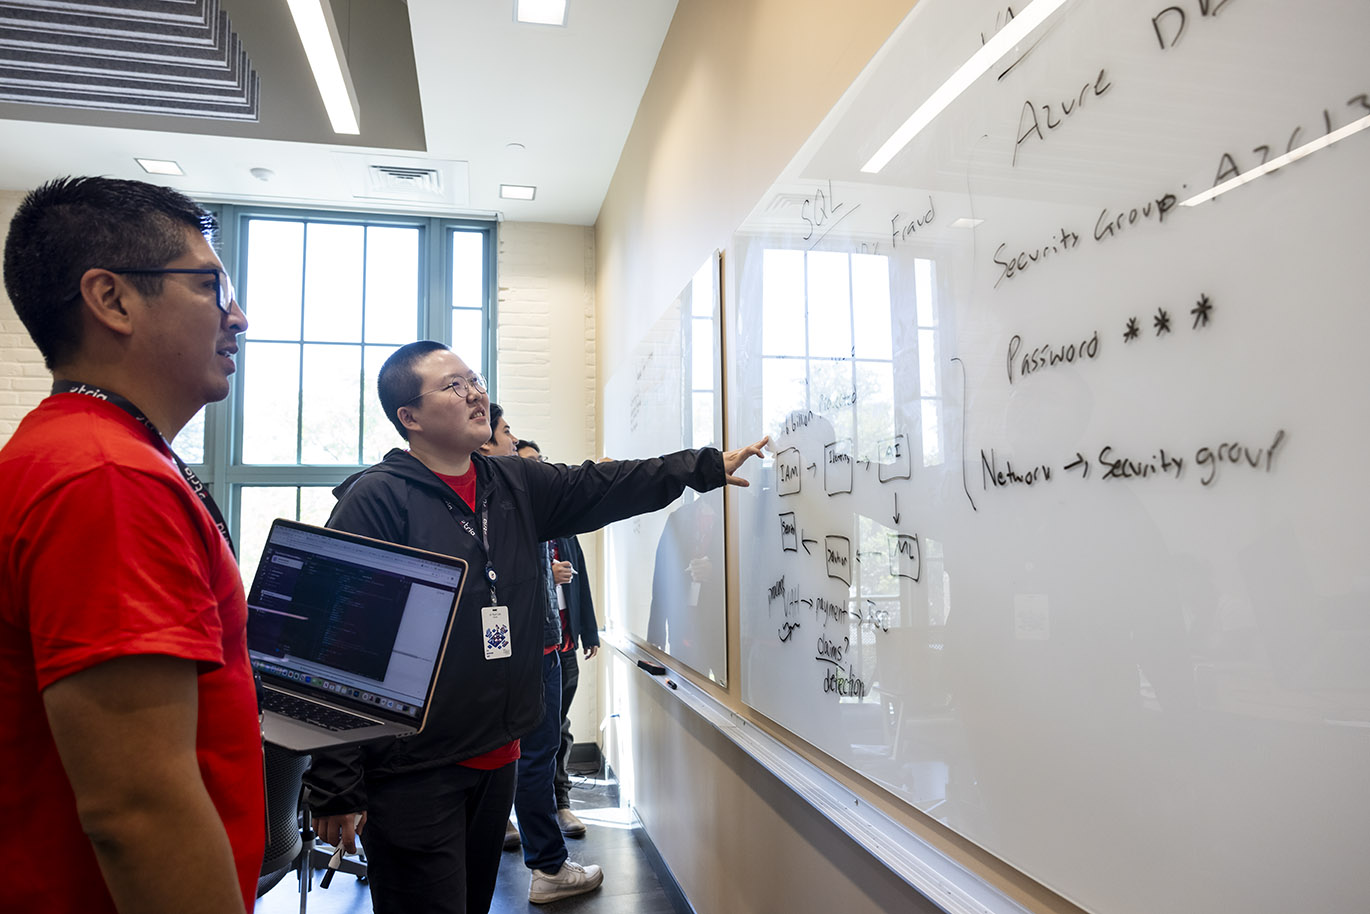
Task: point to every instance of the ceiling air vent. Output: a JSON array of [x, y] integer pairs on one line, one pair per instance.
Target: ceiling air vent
[[404, 181]]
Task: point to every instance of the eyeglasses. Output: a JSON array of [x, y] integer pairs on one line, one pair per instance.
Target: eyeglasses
[[459, 386], [224, 296]]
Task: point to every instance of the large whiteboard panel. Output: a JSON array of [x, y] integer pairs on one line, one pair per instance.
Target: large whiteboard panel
[[1064, 537], [666, 579]]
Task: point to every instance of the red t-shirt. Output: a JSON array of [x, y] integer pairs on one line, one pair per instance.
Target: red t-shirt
[[107, 553], [465, 487]]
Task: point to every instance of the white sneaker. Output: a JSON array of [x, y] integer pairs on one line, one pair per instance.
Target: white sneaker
[[571, 879]]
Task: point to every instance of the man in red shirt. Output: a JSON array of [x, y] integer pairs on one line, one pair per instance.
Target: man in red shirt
[[130, 752]]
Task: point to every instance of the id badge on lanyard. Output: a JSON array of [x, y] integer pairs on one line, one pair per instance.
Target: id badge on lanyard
[[494, 619]]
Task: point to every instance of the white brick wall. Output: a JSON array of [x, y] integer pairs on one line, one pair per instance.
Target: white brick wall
[[23, 379], [546, 376], [546, 336]]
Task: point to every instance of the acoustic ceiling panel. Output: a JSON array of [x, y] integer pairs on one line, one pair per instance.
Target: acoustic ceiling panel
[[176, 57]]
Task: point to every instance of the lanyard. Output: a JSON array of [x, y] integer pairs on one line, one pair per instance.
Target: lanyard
[[483, 540], [196, 486]]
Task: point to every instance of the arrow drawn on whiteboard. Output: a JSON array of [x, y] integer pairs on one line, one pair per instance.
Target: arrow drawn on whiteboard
[[896, 507], [957, 359], [865, 463], [813, 468], [1079, 461], [804, 541]]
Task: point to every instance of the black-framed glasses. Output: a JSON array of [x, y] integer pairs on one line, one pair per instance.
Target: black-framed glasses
[[459, 386], [224, 296]]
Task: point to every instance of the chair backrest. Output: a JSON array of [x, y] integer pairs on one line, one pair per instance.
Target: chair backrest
[[284, 781]]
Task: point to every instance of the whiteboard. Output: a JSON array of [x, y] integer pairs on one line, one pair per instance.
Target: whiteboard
[[665, 569], [1063, 540]]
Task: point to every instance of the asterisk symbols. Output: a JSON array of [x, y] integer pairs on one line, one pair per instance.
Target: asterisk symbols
[[1132, 331], [1161, 321], [1202, 311]]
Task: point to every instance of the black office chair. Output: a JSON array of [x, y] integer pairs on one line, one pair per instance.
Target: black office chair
[[284, 786], [288, 830]]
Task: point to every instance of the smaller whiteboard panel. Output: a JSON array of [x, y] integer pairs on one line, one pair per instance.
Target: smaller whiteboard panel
[[665, 579]]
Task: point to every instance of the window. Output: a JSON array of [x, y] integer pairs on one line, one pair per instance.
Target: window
[[329, 296]]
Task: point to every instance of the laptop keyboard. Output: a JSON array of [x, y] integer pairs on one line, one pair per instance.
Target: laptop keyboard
[[309, 712]]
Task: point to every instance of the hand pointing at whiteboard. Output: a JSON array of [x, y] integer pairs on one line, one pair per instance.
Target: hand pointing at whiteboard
[[733, 460]]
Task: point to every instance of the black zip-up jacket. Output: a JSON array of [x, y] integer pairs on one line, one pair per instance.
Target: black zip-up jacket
[[478, 704]]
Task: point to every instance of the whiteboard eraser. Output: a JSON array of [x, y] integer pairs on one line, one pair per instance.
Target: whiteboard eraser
[[655, 669]]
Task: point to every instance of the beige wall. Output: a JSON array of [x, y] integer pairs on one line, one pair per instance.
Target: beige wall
[[738, 88]]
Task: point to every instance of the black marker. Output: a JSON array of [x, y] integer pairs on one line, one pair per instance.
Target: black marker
[[670, 683]]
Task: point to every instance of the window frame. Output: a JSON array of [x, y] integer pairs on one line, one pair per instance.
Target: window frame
[[223, 471]]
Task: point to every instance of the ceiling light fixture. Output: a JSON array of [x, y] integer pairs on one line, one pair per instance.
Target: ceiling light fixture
[[540, 12], [160, 166], [517, 191], [323, 47], [1010, 35], [1292, 156]]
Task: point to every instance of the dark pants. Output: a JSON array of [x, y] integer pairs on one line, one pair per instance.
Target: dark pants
[[570, 678], [433, 839], [543, 846]]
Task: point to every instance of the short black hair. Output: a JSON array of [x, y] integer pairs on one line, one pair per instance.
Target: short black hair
[[398, 383], [496, 411], [71, 225], [527, 442]]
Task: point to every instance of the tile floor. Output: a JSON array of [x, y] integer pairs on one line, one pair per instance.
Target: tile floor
[[631, 885]]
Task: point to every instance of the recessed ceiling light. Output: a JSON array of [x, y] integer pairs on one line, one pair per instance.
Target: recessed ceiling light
[[160, 166], [540, 12], [517, 191]]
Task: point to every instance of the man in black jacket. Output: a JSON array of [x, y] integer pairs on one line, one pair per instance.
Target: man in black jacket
[[434, 806]]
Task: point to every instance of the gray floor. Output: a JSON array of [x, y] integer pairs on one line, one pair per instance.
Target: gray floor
[[631, 885]]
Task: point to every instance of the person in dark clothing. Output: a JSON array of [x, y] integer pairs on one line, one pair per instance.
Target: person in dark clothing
[[433, 806], [539, 830], [578, 628]]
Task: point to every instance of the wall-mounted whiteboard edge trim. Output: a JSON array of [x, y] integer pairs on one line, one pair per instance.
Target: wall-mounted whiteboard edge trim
[[941, 879]]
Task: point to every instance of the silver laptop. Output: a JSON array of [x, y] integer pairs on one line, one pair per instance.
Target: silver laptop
[[347, 635]]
